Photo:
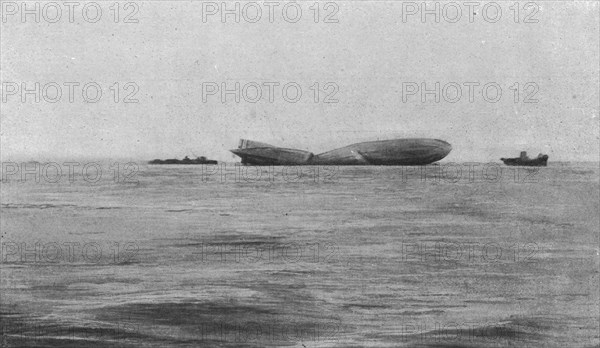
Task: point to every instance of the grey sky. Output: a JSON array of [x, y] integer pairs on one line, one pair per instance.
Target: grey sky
[[369, 54]]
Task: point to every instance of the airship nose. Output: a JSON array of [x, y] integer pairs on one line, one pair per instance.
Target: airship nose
[[443, 148]]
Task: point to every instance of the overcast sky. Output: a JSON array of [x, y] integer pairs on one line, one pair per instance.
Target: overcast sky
[[370, 57]]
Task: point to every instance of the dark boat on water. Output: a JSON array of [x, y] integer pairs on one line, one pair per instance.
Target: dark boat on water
[[523, 160], [186, 160], [396, 152]]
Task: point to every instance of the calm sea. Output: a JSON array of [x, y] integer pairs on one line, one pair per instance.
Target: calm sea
[[455, 255]]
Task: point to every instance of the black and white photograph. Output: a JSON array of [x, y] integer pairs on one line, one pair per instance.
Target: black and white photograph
[[300, 173]]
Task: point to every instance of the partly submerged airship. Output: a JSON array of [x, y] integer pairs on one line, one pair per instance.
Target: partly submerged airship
[[396, 152]]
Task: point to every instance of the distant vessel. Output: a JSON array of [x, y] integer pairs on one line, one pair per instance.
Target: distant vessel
[[186, 160], [523, 160], [403, 152]]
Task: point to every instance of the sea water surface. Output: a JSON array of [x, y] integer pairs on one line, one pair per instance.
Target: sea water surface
[[202, 256]]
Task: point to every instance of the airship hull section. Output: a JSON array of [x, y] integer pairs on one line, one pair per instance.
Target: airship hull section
[[407, 152]]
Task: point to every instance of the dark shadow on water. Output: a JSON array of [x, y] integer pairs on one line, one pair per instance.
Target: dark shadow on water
[[228, 324], [514, 333]]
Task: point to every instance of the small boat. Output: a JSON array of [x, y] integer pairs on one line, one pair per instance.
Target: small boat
[[186, 160], [524, 160]]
